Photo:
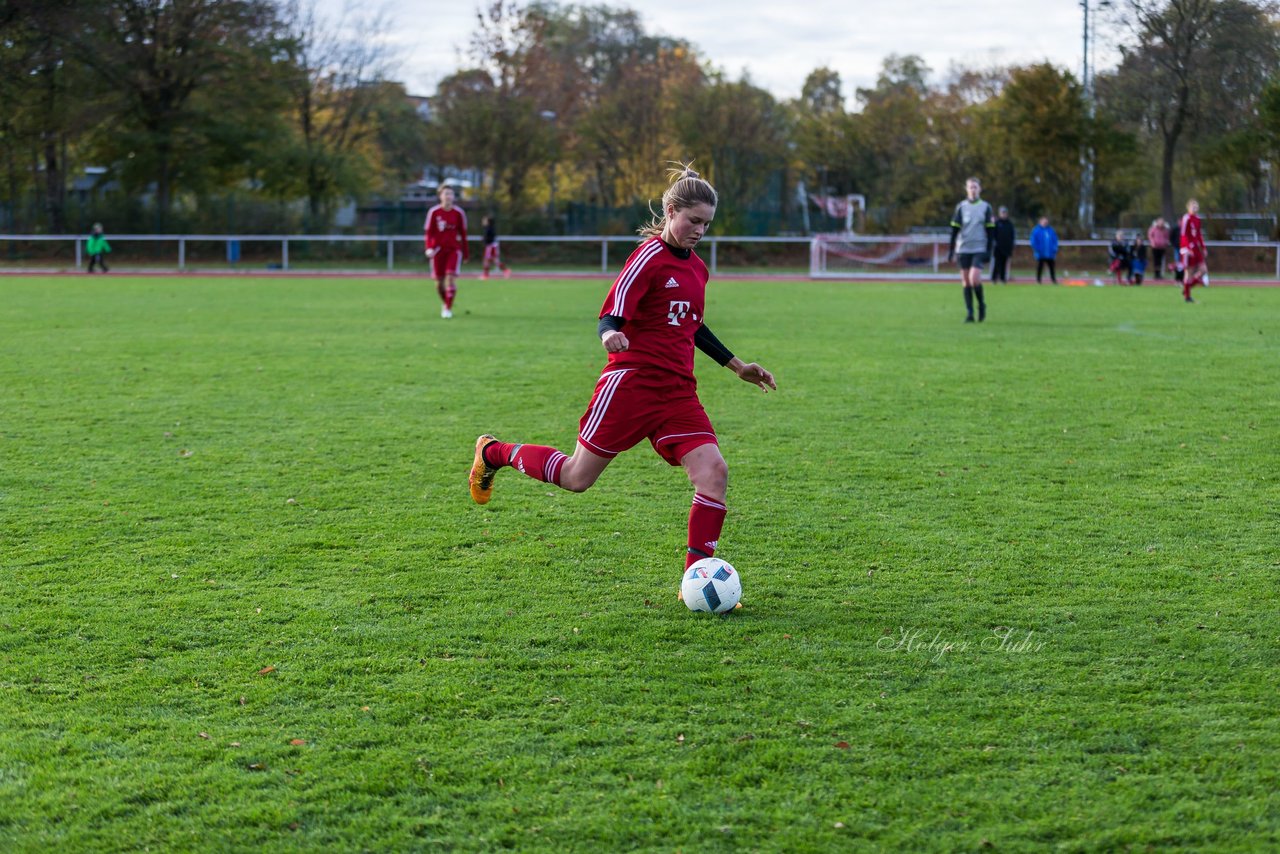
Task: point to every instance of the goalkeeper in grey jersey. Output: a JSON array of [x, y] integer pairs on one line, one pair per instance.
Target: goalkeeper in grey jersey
[[972, 233]]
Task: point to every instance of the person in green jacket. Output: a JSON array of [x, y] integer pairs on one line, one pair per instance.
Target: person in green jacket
[[98, 248]]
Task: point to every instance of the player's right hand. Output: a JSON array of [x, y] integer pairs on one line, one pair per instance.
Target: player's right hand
[[430, 252], [615, 342]]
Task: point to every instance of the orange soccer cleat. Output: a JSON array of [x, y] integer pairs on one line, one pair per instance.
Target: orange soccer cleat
[[482, 474]]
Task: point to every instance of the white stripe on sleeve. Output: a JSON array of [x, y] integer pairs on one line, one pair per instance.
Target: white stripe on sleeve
[[629, 275]]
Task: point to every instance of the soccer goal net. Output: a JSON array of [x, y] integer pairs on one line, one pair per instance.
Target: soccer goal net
[[853, 256]]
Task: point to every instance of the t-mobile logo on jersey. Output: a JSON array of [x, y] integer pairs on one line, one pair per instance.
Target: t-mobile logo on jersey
[[679, 309]]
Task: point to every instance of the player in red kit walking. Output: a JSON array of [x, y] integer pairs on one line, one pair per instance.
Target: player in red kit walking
[[445, 232], [651, 322], [1191, 243]]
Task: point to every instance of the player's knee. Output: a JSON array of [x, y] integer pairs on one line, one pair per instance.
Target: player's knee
[[575, 481], [712, 477]]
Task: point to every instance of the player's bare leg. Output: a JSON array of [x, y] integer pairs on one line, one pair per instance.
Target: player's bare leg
[[540, 462], [1202, 275], [1191, 277], [444, 300], [450, 286], [707, 471], [580, 472]]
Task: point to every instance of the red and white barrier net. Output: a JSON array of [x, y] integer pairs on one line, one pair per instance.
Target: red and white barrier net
[[851, 256]]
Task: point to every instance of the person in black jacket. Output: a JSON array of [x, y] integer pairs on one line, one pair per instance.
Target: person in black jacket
[[1118, 255], [1005, 237]]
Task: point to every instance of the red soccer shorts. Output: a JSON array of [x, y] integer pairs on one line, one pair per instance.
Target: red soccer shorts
[[446, 262], [1193, 260], [491, 253], [630, 405]]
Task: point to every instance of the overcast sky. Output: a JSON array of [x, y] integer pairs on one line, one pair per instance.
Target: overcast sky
[[778, 43]]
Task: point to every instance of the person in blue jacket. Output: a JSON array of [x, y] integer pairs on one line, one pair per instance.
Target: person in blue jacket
[[1044, 243]]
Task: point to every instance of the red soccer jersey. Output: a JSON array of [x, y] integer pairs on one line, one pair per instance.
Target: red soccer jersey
[[1190, 235], [446, 229], [661, 297]]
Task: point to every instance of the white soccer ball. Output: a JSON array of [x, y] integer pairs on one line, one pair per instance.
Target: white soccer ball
[[711, 585]]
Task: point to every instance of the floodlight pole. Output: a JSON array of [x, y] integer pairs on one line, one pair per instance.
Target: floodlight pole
[[552, 116], [1087, 154]]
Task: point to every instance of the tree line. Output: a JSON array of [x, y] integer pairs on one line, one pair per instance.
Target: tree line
[[187, 103]]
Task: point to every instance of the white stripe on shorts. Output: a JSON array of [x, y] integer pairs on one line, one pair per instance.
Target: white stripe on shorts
[[611, 381]]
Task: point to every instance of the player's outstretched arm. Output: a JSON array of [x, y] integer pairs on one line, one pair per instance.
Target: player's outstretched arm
[[752, 373]]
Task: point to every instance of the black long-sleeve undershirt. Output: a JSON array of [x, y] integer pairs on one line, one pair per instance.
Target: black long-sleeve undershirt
[[704, 339]]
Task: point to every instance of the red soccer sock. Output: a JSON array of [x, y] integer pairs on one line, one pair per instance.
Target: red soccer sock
[[706, 518], [1186, 286], [449, 294], [539, 462]]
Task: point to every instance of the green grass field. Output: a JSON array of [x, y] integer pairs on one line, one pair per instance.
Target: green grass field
[[1009, 585]]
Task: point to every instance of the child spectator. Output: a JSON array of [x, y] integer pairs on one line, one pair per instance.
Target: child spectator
[[98, 248], [1137, 260]]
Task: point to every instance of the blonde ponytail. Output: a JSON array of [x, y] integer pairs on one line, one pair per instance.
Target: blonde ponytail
[[687, 189]]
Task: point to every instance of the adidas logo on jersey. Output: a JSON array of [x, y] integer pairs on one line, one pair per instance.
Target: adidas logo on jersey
[[672, 283]]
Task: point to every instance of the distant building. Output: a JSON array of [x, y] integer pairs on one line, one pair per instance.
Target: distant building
[[83, 187], [421, 106], [427, 188]]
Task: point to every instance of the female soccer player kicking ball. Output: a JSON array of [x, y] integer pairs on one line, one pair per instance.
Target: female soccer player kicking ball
[[650, 323]]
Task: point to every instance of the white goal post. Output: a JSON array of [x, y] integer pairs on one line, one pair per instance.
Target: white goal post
[[853, 256]]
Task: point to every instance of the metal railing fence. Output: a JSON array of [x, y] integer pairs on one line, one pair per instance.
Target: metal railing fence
[[304, 252]]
